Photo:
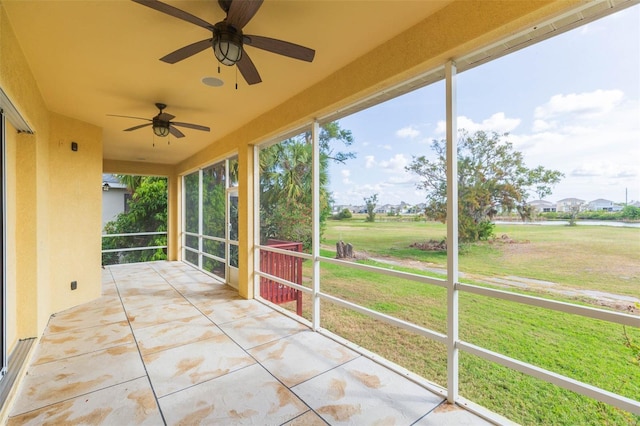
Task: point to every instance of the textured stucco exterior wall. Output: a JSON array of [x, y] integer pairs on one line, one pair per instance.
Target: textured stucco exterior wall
[[53, 211]]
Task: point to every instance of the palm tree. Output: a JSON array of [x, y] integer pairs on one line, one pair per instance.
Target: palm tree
[[286, 183], [131, 181]]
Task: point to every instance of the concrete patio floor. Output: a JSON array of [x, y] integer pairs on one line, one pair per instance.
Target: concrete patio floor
[[167, 344]]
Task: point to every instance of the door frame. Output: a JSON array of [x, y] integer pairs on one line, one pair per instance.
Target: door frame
[[3, 250]]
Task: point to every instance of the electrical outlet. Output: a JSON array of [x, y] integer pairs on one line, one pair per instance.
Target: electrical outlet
[[74, 285]]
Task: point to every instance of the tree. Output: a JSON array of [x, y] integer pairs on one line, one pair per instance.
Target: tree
[[131, 181], [371, 203], [286, 187], [574, 211], [491, 176], [630, 212], [344, 214], [147, 213]]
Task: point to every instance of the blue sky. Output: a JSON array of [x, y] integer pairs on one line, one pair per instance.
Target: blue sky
[[571, 103]]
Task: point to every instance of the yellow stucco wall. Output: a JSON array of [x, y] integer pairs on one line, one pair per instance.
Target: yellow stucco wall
[[26, 236], [75, 212], [29, 156], [53, 203]]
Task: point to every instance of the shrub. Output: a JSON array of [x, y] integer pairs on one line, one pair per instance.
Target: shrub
[[631, 213], [343, 214]]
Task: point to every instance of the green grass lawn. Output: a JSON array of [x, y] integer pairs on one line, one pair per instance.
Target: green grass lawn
[[584, 257], [588, 350]]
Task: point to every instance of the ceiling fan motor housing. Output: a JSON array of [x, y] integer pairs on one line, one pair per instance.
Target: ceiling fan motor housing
[[227, 43]]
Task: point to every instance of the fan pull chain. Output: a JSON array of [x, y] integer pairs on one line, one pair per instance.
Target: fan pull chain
[[236, 77]]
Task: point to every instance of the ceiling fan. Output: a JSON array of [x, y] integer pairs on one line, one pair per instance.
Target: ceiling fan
[[227, 39], [162, 124]]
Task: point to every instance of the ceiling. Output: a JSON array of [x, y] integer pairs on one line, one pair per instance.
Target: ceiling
[[94, 58]]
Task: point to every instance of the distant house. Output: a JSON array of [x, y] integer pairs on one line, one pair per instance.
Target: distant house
[[603, 205], [114, 198], [337, 208], [542, 206], [417, 209], [353, 209], [567, 204], [387, 208]]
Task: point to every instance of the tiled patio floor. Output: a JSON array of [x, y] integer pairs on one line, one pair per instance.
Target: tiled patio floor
[[166, 344]]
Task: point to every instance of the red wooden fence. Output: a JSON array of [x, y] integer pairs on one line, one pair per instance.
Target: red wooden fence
[[285, 267]]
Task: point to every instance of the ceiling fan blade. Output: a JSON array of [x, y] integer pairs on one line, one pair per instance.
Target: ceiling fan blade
[[191, 126], [280, 47], [175, 132], [137, 127], [127, 116], [166, 117], [241, 12], [248, 69], [175, 12], [185, 52]]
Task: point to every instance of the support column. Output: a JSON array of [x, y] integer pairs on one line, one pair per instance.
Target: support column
[[452, 233], [315, 247], [248, 207], [200, 218], [173, 216]]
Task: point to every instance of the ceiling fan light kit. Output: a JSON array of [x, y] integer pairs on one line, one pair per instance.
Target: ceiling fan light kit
[[160, 129], [227, 44]]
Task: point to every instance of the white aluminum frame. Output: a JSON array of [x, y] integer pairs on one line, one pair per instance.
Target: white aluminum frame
[[199, 235], [452, 233], [315, 239], [231, 190], [200, 213], [452, 284]]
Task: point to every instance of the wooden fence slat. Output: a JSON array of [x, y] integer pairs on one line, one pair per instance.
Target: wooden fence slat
[[285, 267]]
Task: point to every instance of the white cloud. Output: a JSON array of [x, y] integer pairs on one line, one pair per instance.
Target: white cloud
[[346, 173], [369, 161], [395, 164], [599, 156], [389, 180], [604, 169], [405, 179], [408, 132], [386, 147], [588, 104], [498, 122], [543, 126], [387, 193], [591, 170]]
